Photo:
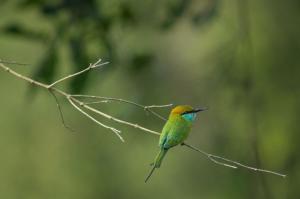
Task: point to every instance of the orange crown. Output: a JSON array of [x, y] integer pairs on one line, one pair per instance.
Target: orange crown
[[181, 109]]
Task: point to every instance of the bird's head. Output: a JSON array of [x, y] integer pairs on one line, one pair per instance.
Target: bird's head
[[187, 112]]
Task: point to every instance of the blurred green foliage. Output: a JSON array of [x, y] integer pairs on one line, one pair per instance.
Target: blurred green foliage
[[238, 57]]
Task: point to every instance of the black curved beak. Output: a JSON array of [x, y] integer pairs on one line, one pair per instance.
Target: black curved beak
[[199, 109]]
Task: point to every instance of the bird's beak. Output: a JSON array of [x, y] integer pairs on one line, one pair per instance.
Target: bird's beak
[[200, 109]]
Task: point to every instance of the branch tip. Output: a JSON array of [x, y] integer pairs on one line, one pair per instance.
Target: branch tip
[[234, 164]]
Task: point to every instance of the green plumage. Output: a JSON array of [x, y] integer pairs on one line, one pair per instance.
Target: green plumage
[[175, 131]]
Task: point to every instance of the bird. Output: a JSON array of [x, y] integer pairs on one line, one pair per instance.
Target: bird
[[174, 132]]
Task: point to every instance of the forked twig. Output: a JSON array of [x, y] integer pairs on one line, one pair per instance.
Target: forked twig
[[146, 108], [61, 113], [118, 120], [91, 66], [116, 131], [234, 165], [52, 89]]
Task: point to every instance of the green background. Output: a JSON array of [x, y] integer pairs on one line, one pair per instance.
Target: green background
[[240, 58]]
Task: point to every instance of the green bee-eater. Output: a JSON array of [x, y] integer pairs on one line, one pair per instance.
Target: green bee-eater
[[175, 131]]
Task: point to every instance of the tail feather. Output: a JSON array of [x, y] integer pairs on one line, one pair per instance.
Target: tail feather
[[158, 160], [150, 173], [160, 156]]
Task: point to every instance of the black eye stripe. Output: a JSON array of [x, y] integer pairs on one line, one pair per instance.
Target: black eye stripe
[[187, 112]]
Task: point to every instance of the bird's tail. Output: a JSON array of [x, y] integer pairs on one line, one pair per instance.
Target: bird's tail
[[160, 156]]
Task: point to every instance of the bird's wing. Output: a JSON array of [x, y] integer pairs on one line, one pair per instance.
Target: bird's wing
[[165, 131], [175, 134]]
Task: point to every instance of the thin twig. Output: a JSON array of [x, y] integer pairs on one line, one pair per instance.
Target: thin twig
[[91, 66], [116, 131], [159, 106], [96, 102], [238, 164], [61, 113], [146, 108], [31, 81], [149, 109], [114, 118]]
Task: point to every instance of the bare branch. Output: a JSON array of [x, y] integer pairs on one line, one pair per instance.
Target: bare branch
[[61, 113], [31, 81], [114, 118], [146, 108], [238, 164], [73, 99], [116, 131], [97, 102], [149, 109], [91, 66], [159, 106], [156, 114]]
